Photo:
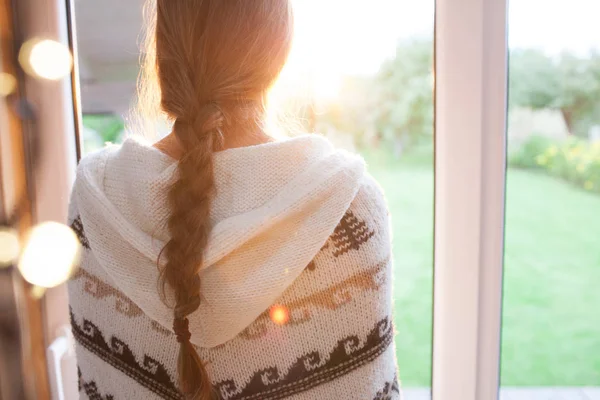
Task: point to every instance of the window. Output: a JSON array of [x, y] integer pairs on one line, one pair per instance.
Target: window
[[550, 322], [371, 90], [99, 129]]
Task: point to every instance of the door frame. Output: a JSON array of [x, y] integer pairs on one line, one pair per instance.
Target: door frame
[[471, 50]]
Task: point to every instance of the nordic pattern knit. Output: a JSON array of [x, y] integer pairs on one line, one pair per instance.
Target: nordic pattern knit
[[327, 334]]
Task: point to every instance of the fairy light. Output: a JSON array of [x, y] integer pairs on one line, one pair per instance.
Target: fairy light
[[37, 292], [46, 59], [279, 314], [9, 247], [8, 84], [50, 255]]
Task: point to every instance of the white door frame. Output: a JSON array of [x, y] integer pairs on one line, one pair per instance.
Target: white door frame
[[470, 170]]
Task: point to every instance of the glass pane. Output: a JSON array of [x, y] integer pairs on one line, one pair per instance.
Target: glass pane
[[361, 74], [107, 41], [371, 90], [551, 324], [99, 129]]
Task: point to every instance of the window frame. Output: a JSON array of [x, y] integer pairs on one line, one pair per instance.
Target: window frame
[[471, 53]]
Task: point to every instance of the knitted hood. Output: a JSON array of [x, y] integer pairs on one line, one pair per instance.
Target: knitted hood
[[275, 206]]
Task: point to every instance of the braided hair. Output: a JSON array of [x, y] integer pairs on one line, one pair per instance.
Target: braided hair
[[214, 60]]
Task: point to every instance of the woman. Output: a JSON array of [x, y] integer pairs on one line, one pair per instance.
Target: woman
[[219, 263]]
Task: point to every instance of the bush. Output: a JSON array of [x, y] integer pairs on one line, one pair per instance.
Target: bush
[[574, 160], [525, 155]]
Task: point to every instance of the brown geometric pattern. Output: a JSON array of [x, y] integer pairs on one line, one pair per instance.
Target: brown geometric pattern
[[149, 372], [331, 298], [308, 371], [350, 234], [77, 227], [312, 369], [160, 329], [388, 391], [98, 289], [91, 389]]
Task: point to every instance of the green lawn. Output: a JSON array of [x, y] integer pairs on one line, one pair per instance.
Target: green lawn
[[551, 326]]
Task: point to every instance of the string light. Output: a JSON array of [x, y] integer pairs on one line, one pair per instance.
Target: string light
[[8, 84], [9, 247], [45, 58], [37, 292], [50, 255]]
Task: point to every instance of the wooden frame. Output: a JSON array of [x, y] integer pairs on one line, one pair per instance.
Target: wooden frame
[[55, 173], [25, 366]]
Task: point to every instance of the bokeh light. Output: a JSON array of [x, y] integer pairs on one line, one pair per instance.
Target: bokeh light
[[46, 59], [50, 255], [279, 314], [8, 84], [9, 247]]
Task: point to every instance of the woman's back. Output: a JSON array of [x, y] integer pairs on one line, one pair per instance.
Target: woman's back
[[296, 292], [257, 272]]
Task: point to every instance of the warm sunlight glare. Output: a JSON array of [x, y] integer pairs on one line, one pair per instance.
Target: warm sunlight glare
[[334, 39], [327, 86], [279, 314]]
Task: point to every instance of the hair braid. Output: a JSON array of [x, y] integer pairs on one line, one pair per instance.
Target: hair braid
[[189, 199], [215, 61]]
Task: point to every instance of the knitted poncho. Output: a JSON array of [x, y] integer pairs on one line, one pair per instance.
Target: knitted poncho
[[296, 284]]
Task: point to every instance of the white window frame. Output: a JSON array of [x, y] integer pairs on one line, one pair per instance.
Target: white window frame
[[470, 175]]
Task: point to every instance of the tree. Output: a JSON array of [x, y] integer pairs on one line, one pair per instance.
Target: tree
[[350, 112], [403, 110], [567, 83], [394, 106]]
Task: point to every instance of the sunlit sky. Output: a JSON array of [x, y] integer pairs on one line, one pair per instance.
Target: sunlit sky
[[340, 37]]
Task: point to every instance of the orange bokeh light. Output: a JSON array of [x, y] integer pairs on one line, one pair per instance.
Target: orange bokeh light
[[279, 314]]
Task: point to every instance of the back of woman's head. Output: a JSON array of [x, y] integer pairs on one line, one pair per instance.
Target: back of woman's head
[[215, 61]]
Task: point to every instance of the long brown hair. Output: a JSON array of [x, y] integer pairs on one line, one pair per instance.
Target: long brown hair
[[215, 61]]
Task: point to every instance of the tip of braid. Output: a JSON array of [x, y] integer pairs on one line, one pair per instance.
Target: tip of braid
[[194, 381]]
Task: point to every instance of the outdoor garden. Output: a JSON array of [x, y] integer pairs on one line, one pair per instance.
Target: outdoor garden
[[551, 323]]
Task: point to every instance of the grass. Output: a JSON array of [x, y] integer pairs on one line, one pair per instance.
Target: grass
[[551, 326], [551, 322]]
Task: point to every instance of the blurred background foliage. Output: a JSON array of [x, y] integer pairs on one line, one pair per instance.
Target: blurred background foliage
[[393, 109]]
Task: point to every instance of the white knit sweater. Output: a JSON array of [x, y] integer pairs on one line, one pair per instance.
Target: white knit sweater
[[296, 286]]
